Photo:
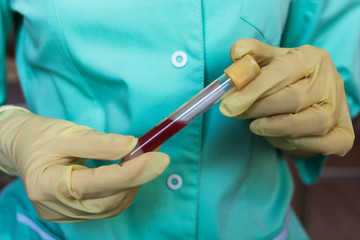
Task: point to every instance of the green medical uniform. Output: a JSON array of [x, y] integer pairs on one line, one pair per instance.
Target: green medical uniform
[[123, 66]]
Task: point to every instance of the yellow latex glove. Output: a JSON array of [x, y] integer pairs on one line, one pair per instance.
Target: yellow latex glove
[[47, 154], [298, 100]]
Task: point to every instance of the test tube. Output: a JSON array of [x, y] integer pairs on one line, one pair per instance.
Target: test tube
[[235, 76]]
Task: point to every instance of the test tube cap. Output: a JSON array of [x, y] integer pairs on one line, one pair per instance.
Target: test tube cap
[[243, 71]]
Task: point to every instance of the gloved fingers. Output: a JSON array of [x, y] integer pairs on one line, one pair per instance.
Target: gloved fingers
[[316, 120], [291, 99], [108, 180], [121, 208], [117, 209], [337, 142], [53, 212], [273, 78], [61, 210], [107, 205], [54, 199], [281, 143], [86, 209], [84, 142], [261, 52]]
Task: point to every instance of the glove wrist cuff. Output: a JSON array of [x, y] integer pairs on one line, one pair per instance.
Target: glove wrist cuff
[[6, 124]]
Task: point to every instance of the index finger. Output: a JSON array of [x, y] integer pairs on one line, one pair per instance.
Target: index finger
[[261, 52], [279, 73]]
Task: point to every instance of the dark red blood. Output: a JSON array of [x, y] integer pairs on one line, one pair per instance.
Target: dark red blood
[[159, 134], [166, 129]]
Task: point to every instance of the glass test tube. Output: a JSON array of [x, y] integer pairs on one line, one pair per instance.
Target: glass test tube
[[235, 77]]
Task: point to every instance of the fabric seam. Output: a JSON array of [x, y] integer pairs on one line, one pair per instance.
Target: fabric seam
[[200, 138], [257, 29], [65, 53]]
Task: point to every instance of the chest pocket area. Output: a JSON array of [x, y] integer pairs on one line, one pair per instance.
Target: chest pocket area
[[267, 17]]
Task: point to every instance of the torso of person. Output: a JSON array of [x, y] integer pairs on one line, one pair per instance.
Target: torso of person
[[122, 67]]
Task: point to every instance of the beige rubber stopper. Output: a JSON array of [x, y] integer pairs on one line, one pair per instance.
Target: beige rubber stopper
[[243, 71]]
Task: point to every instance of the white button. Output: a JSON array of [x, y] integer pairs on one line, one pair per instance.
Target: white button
[[179, 59], [174, 182]]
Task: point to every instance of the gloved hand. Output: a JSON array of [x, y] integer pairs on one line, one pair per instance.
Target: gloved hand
[[298, 101], [48, 154]]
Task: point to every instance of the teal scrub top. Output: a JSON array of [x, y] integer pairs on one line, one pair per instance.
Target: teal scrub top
[[114, 66]]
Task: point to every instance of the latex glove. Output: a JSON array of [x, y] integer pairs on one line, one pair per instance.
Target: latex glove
[[298, 100], [47, 154]]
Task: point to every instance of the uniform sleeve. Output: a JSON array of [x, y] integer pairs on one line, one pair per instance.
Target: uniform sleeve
[[6, 19], [334, 26]]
